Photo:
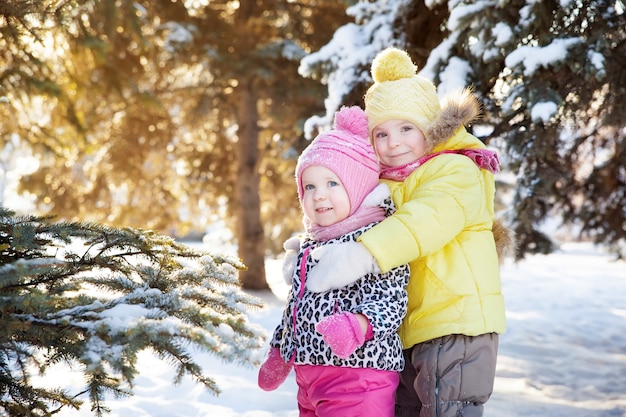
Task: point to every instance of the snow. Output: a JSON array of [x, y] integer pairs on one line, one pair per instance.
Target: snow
[[534, 58], [502, 34], [564, 352], [455, 77], [543, 111], [16, 160], [597, 60], [460, 12]]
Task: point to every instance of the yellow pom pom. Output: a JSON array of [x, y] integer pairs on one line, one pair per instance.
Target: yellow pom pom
[[392, 64]]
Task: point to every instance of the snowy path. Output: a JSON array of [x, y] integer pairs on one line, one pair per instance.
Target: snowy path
[[564, 353]]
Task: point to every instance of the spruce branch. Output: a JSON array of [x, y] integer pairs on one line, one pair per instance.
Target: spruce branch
[[92, 296]]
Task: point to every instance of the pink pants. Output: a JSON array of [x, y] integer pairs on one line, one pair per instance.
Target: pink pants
[[329, 391]]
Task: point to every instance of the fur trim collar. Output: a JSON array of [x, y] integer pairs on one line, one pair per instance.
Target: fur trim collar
[[456, 112]]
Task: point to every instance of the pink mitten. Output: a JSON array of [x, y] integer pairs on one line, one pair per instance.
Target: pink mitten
[[342, 332], [274, 371]]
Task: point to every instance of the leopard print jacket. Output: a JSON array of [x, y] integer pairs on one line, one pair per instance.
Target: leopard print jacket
[[381, 298]]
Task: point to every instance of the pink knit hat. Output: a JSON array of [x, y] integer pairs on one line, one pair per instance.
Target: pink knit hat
[[347, 151]]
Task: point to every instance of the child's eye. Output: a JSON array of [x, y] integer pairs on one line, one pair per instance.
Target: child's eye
[[309, 187], [333, 183], [406, 128], [380, 135]]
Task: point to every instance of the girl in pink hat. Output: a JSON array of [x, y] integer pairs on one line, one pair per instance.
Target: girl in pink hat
[[343, 343]]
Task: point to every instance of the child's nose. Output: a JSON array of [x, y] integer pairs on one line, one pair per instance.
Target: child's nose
[[319, 194]]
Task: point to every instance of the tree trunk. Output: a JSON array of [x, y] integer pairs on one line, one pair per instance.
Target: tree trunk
[[250, 234]]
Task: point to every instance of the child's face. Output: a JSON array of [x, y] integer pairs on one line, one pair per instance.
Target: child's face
[[324, 200], [398, 142]]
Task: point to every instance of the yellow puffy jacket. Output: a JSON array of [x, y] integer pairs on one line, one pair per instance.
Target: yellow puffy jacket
[[443, 229]]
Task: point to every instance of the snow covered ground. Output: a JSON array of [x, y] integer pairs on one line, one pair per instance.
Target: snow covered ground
[[564, 353]]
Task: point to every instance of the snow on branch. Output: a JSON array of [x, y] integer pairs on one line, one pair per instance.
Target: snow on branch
[[94, 296]]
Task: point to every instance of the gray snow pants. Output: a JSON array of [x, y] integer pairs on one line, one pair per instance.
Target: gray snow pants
[[451, 376]]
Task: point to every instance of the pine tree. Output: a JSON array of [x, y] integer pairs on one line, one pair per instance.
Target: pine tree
[[550, 80], [94, 296], [549, 74]]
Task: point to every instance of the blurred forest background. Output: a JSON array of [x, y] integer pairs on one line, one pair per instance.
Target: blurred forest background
[[175, 115]]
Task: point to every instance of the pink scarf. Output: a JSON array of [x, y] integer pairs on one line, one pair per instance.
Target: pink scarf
[[363, 216], [483, 158]]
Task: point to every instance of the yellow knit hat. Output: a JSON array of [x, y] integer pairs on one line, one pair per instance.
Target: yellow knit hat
[[399, 93]]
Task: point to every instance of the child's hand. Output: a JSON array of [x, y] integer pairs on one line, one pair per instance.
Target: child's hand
[[340, 264], [274, 371], [342, 332]]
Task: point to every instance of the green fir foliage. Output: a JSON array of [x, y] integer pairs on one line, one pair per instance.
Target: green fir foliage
[[93, 297], [550, 79], [552, 88]]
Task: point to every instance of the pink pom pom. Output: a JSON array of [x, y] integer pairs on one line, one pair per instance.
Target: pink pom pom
[[353, 120]]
